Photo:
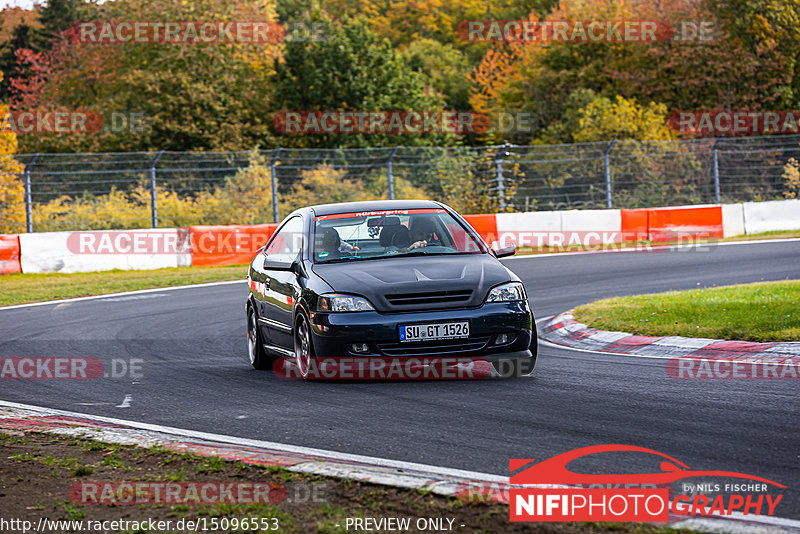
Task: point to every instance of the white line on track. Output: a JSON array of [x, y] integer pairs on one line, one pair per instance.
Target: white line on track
[[654, 248], [371, 460]]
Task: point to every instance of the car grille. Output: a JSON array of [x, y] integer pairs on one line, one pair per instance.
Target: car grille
[[431, 297], [434, 348]]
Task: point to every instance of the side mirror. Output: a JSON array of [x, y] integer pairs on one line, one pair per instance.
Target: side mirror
[[277, 264], [504, 252]]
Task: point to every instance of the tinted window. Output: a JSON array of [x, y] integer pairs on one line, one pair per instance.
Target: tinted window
[[288, 241], [370, 235]]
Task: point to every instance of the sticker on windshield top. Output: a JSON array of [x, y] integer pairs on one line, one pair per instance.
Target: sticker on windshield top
[[379, 212]]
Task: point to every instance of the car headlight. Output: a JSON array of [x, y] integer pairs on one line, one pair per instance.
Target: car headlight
[[507, 293], [343, 303]]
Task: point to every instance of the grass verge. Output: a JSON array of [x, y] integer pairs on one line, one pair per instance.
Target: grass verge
[[764, 311], [39, 470], [25, 288]]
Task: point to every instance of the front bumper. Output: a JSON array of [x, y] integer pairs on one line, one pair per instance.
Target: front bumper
[[335, 333]]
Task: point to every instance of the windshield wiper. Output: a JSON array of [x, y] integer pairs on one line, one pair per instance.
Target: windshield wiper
[[342, 258], [421, 253]]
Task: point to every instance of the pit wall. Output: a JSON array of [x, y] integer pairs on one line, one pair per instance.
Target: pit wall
[[71, 252]]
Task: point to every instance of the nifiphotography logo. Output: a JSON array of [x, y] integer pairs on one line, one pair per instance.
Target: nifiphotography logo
[[565, 495]]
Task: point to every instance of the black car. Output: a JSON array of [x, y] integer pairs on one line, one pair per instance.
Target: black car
[[388, 280]]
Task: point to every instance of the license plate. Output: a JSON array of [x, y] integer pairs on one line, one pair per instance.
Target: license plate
[[424, 332]]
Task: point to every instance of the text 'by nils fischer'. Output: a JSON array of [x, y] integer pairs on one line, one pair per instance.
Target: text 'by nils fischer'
[[549, 490]]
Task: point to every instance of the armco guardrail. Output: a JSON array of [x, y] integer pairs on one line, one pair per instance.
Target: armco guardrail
[[100, 250]]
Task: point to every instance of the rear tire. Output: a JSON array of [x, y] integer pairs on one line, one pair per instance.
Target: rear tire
[[255, 348]]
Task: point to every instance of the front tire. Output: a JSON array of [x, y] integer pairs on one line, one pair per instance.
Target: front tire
[[303, 349], [255, 349]]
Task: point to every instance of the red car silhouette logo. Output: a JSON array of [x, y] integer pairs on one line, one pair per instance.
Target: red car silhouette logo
[[554, 470]]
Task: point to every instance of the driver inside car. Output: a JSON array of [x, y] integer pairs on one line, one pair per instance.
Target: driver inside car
[[423, 233], [328, 243]]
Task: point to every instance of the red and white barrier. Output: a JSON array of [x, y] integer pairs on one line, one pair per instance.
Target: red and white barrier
[[78, 252], [71, 252], [9, 254], [228, 245]]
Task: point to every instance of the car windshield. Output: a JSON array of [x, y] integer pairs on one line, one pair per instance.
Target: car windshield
[[381, 234]]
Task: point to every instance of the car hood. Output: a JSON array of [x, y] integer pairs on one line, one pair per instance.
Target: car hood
[[418, 282]]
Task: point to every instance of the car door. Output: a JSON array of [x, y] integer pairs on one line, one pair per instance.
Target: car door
[[281, 286]]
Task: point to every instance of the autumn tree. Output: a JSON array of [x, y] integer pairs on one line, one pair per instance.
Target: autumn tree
[[721, 72], [196, 96], [36, 30], [12, 194]]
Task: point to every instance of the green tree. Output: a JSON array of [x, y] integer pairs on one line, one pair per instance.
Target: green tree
[[350, 70], [444, 68]]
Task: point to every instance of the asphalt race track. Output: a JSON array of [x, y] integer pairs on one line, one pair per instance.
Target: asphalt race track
[[195, 376]]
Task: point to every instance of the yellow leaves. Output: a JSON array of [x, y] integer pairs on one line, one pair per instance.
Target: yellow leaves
[[491, 77], [12, 193], [604, 119], [791, 176]]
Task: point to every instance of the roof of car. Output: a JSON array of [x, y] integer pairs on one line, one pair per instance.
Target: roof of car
[[373, 205]]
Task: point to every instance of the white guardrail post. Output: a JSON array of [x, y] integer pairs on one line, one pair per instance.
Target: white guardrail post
[[153, 201], [28, 203], [607, 166], [389, 174], [274, 179]]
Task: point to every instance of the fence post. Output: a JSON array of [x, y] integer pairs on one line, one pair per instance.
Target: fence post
[[28, 203], [389, 174], [607, 166], [274, 178], [715, 154], [498, 172], [153, 202]]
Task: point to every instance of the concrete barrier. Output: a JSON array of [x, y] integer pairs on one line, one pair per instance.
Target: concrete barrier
[[228, 245], [673, 223], [485, 225], [9, 254], [76, 252], [669, 224], [606, 222], [535, 228], [771, 216], [732, 220]]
